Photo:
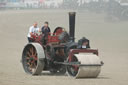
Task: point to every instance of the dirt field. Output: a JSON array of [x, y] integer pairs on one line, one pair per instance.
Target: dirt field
[[111, 38]]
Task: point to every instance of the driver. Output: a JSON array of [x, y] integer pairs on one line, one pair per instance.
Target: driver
[[83, 43], [32, 31]]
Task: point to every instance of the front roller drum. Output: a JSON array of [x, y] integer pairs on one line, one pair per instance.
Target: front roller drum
[[33, 58], [88, 66]]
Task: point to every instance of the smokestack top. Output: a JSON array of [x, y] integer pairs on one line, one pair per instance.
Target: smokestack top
[[72, 13]]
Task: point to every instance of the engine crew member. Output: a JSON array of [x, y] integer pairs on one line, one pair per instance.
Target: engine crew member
[[83, 43], [32, 30], [45, 29]]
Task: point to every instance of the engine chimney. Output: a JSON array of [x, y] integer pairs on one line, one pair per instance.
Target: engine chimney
[[72, 25]]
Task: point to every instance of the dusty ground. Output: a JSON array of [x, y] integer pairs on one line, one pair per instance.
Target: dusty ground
[[111, 38]]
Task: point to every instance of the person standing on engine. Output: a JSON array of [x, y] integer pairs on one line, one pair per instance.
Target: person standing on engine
[[45, 29], [32, 31]]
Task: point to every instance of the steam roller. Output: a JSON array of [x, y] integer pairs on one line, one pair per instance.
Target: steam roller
[[59, 53]]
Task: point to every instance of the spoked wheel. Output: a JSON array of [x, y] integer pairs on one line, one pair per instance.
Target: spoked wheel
[[72, 69], [33, 58]]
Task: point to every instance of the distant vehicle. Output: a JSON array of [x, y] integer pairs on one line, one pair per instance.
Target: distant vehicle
[[124, 5], [118, 9], [123, 2]]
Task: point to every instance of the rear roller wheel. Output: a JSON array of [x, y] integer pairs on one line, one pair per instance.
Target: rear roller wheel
[[33, 58]]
